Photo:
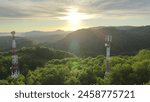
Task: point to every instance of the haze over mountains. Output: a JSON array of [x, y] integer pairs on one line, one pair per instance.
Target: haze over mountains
[[127, 40], [41, 37], [31, 38]]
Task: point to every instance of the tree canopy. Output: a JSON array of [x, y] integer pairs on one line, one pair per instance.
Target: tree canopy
[[44, 66]]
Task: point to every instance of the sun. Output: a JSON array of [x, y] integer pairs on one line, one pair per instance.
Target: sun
[[74, 16], [74, 19]]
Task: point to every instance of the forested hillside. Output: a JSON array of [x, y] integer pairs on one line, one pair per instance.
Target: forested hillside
[[30, 59], [50, 67], [90, 42]]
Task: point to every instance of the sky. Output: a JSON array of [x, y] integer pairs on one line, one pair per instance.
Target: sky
[[69, 15]]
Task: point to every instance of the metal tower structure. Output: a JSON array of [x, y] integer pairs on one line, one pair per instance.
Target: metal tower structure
[[14, 68], [108, 40]]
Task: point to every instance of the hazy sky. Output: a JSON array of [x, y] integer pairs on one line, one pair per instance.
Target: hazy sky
[[48, 15]]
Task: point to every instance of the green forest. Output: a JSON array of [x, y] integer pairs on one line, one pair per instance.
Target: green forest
[[78, 57], [45, 66]]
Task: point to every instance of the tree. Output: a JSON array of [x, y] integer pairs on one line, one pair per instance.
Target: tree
[[54, 74], [4, 82], [142, 71], [122, 75], [87, 77], [20, 80], [72, 80]]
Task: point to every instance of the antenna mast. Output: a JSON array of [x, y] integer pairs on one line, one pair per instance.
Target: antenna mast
[[14, 68], [108, 40]]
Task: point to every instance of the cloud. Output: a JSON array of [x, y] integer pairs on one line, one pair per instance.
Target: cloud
[[58, 8], [119, 7]]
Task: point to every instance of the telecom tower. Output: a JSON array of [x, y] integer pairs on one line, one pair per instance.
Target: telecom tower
[[108, 40], [14, 68]]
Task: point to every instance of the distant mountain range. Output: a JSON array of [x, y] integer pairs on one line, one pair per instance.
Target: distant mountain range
[[42, 37]]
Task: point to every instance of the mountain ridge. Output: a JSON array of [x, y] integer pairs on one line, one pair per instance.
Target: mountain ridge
[[90, 42]]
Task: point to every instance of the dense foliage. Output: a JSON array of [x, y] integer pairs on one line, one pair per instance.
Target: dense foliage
[[58, 69], [30, 59]]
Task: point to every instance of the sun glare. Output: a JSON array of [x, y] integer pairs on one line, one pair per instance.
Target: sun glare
[[74, 18]]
